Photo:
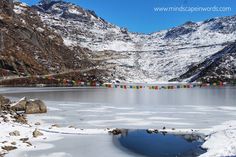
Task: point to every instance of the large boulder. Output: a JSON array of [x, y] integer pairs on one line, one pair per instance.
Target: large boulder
[[35, 106], [29, 106], [19, 105]]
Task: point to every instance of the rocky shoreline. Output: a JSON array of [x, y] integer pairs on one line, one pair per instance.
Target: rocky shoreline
[[21, 134], [12, 114]]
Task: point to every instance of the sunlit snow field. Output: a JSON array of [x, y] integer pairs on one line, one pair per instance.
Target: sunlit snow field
[[196, 108]]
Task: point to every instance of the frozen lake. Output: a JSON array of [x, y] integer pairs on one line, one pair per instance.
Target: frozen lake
[[196, 108], [118, 108]]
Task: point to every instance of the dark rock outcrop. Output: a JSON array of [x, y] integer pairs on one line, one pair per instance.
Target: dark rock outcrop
[[118, 131], [7, 7], [186, 28], [219, 67], [9, 148], [29, 48]]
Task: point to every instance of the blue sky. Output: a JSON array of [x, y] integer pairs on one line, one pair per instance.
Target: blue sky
[[139, 15]]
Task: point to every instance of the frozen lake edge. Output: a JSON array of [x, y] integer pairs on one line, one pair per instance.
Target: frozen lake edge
[[217, 133]]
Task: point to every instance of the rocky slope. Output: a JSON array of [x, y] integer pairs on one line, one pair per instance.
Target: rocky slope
[[28, 47], [220, 66], [159, 56]]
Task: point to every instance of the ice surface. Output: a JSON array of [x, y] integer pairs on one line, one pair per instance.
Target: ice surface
[[110, 108], [97, 109], [80, 146]]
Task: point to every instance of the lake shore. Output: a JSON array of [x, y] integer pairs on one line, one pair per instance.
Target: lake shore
[[220, 140], [19, 133]]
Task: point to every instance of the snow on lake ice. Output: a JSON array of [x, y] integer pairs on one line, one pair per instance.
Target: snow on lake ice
[[198, 108], [98, 108]]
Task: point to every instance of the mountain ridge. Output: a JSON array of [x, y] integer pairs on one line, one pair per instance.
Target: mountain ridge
[[59, 36], [220, 67], [160, 56]]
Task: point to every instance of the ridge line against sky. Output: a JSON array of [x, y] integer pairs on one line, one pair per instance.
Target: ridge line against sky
[[140, 16]]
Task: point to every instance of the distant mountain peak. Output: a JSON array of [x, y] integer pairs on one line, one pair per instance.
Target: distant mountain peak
[[48, 1], [189, 23], [65, 10], [44, 5], [45, 1], [186, 28]]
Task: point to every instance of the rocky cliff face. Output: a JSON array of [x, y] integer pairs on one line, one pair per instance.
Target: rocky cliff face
[[28, 47]]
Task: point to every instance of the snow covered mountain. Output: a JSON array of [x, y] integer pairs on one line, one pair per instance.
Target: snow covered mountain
[[221, 66], [159, 56]]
